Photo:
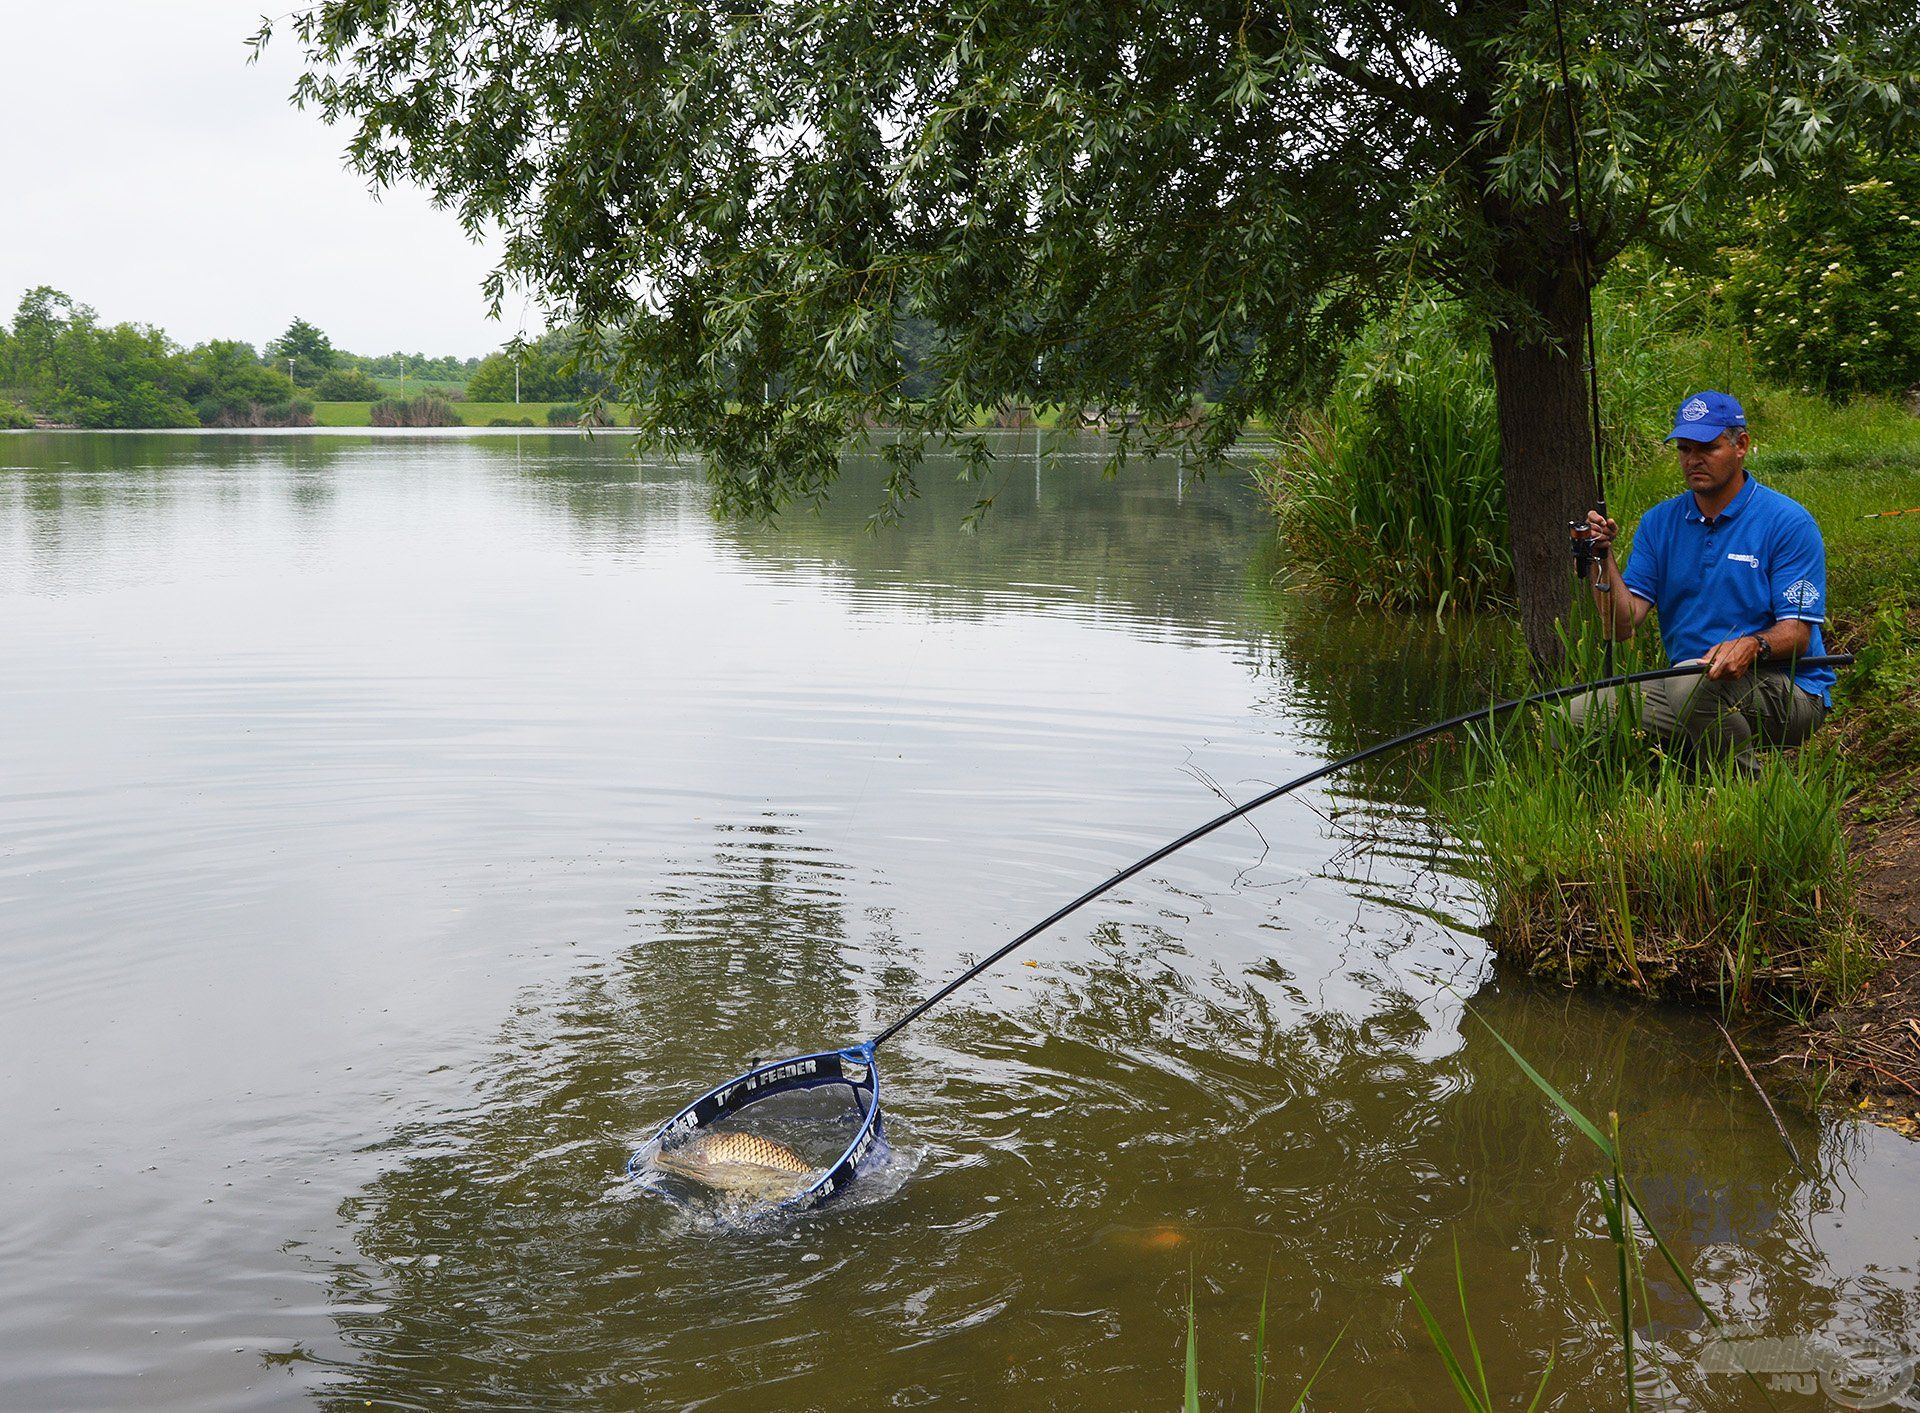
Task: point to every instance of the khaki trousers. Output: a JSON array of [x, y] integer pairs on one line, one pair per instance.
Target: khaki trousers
[[1723, 718]]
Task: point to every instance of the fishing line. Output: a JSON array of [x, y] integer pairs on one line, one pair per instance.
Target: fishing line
[[1583, 255], [855, 1066]]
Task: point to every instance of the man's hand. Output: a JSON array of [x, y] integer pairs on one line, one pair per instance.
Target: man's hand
[[1601, 533], [1731, 658]]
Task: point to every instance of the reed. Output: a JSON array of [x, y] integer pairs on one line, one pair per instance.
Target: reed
[[1628, 1228], [1631, 1234], [1190, 1401], [1599, 859], [1392, 491], [1472, 1390]]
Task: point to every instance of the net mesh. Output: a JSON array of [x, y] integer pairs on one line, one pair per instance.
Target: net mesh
[[786, 1134]]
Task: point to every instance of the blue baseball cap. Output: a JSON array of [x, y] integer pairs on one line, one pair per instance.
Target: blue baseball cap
[[1705, 415]]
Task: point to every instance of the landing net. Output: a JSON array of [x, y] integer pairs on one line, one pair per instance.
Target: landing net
[[785, 1176], [816, 1124]]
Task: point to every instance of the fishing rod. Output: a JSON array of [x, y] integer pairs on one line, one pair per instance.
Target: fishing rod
[[1883, 514], [855, 1066], [1579, 536]]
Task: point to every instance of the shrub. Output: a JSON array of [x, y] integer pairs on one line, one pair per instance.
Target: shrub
[[572, 414], [1829, 281], [229, 387], [510, 422], [290, 412], [1392, 492], [13, 417], [130, 404], [493, 380], [347, 385], [414, 412], [1663, 334]]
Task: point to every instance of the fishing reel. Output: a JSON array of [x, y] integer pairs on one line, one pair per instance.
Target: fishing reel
[[1586, 553]]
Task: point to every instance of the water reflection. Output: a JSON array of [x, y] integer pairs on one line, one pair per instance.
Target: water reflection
[[1060, 538], [1146, 1113], [502, 1263], [79, 503], [330, 753], [1370, 676]]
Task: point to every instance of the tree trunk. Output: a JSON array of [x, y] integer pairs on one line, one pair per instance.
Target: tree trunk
[[1546, 443]]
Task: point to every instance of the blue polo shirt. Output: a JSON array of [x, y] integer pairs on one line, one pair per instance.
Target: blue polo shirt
[[1756, 563]]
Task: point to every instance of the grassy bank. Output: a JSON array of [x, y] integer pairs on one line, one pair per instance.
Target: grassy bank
[[471, 414], [1614, 864], [1603, 862]]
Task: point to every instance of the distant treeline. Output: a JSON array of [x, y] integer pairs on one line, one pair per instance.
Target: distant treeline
[[59, 363], [555, 367]]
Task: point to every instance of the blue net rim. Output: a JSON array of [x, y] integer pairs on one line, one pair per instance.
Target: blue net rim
[[853, 1067]]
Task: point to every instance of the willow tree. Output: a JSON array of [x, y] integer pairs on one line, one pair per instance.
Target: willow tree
[[1110, 205]]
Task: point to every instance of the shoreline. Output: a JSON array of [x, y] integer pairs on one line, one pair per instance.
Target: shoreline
[[314, 430], [1863, 1053], [1866, 1050]]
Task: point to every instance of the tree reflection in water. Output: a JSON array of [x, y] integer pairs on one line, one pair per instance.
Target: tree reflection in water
[[1096, 1126]]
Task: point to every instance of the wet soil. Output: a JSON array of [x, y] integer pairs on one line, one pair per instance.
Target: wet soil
[[1870, 1047]]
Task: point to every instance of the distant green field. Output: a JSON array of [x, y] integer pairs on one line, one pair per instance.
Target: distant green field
[[471, 414], [413, 384]]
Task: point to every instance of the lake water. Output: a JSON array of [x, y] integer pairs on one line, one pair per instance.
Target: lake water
[[394, 828]]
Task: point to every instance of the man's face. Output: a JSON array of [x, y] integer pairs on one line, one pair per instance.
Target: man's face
[[1710, 467]]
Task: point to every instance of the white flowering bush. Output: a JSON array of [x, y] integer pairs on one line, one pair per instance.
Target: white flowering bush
[[1828, 283]]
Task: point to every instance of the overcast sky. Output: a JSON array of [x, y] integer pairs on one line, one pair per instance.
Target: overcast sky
[[153, 174]]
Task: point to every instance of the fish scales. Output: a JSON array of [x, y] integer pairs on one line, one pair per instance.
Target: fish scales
[[751, 1148], [737, 1162]]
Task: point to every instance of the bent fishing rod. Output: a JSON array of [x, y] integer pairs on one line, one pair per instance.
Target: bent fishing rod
[[857, 1068], [1468, 718]]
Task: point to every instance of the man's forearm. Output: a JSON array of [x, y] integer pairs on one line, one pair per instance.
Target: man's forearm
[[1790, 637], [1787, 639], [1617, 616]]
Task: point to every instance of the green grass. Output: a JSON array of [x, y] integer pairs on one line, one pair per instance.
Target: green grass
[[1601, 861], [413, 384], [471, 414]]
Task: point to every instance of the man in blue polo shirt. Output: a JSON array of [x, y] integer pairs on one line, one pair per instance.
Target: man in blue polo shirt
[[1738, 575]]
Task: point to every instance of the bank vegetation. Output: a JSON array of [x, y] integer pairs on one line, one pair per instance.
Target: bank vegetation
[[1794, 895]]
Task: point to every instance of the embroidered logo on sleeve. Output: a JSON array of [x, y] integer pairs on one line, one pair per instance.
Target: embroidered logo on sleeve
[[1752, 559], [1801, 593]]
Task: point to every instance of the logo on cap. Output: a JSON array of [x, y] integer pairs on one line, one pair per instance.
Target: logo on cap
[[1694, 410]]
